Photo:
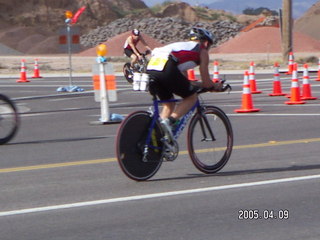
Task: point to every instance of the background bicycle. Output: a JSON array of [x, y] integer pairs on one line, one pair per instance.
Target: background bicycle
[[139, 67], [9, 119], [142, 144]]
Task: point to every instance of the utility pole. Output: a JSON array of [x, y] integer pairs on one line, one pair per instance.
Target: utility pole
[[286, 29]]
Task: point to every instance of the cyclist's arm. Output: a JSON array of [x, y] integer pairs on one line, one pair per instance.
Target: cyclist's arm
[[145, 43], [204, 69]]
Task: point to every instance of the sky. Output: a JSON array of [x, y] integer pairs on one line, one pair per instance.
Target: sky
[[237, 6]]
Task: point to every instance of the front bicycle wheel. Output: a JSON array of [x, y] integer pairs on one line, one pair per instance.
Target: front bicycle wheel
[[128, 73], [130, 146], [210, 139], [9, 119]]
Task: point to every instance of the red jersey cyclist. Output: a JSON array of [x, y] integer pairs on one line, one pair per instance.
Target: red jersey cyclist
[[168, 67], [130, 49]]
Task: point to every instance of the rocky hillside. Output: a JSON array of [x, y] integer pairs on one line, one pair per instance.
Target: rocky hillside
[[50, 14], [32, 26], [164, 30]]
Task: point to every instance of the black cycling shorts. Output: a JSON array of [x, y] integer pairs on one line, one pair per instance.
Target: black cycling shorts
[[172, 81], [128, 52]]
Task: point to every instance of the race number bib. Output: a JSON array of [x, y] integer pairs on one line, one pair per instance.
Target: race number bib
[[157, 63]]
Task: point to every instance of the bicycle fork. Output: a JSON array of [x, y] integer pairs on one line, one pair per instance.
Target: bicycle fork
[[205, 127]]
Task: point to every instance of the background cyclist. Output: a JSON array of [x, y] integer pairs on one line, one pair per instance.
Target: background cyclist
[[130, 48], [168, 66]]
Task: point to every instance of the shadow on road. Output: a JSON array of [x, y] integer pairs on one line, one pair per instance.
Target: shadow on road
[[245, 172]]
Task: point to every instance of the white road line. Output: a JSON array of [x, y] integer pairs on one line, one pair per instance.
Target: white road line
[[274, 114], [156, 195]]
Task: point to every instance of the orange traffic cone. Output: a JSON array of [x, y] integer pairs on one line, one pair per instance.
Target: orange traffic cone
[[191, 75], [290, 64], [306, 87], [252, 79], [215, 72], [23, 73], [277, 91], [36, 71], [247, 104], [318, 78], [295, 89]]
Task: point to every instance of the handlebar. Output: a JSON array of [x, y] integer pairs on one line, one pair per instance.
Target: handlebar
[[226, 87], [147, 52]]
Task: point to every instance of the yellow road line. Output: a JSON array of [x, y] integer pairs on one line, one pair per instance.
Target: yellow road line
[[56, 165], [98, 161]]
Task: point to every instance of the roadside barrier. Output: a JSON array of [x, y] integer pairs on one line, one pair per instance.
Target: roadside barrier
[[36, 71], [277, 91], [191, 75], [105, 90], [109, 82], [247, 103], [252, 80], [23, 72], [295, 89], [318, 75], [215, 72], [290, 64], [306, 87]]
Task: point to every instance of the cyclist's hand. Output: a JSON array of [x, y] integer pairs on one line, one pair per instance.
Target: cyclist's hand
[[213, 86], [222, 87], [208, 85], [218, 86]]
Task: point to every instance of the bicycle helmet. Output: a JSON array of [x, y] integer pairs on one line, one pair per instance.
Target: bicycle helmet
[[135, 32], [201, 34]]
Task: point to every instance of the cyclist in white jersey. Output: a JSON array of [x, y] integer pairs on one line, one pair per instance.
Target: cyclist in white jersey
[[168, 67]]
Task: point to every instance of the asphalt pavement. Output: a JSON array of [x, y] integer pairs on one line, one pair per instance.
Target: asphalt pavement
[[60, 178]]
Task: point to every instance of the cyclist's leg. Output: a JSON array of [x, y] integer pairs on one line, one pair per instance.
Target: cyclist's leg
[[184, 106], [134, 59], [172, 81], [167, 109], [129, 53]]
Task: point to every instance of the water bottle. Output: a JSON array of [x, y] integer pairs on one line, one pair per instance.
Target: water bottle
[[144, 82], [136, 81]]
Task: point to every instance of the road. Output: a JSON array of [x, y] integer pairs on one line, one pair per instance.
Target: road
[[60, 179]]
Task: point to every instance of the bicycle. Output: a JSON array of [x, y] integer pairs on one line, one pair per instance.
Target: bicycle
[[9, 119], [139, 67], [142, 145]]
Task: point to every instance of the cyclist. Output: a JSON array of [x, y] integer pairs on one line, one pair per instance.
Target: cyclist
[[130, 49], [168, 67]]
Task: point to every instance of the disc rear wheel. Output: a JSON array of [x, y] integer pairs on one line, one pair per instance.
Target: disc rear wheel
[[130, 146]]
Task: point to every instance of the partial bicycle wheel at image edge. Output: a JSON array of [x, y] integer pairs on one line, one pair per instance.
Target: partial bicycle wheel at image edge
[[130, 146], [207, 154], [9, 119]]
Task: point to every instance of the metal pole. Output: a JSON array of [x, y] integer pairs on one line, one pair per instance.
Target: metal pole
[[286, 29], [69, 53]]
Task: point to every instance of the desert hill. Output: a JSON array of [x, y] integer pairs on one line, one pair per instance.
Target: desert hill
[[309, 22], [32, 27]]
